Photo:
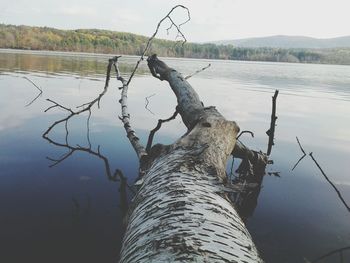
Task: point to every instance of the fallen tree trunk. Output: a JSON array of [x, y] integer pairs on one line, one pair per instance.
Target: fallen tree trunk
[[181, 212]]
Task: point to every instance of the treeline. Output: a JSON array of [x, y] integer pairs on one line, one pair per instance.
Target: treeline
[[104, 41]]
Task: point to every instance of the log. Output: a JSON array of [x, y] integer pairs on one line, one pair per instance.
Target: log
[[181, 211]]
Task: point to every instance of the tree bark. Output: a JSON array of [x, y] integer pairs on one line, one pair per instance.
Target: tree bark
[[181, 212]]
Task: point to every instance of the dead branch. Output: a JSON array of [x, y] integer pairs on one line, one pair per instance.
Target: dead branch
[[134, 140], [198, 71], [160, 122], [302, 157], [85, 107], [330, 182], [39, 94], [178, 28], [271, 131], [147, 102]]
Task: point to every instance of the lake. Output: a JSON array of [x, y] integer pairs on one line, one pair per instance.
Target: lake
[[72, 211]]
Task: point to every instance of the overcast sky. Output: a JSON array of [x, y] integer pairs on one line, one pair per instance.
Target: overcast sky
[[211, 19]]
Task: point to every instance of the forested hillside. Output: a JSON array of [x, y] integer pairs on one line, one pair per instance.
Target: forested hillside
[[104, 41]]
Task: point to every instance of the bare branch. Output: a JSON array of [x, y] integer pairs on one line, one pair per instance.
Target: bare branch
[[178, 27], [330, 182], [159, 125], [86, 107], [198, 71], [134, 140]]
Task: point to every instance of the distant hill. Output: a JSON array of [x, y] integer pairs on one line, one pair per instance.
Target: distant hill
[[281, 41], [111, 42]]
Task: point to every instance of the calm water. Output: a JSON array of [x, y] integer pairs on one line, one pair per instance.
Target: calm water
[[72, 213]]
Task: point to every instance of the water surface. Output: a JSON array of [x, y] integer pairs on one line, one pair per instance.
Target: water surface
[[72, 212]]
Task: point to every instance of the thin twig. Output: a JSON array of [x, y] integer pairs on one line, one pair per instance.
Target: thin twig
[[178, 27], [198, 71], [330, 182], [159, 125], [243, 132]]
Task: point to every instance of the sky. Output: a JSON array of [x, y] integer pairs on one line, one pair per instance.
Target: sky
[[210, 19]]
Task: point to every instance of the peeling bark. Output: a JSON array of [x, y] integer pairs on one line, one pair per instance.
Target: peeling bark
[[181, 212]]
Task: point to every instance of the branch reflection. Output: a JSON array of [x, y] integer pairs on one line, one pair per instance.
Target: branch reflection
[[114, 176]]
